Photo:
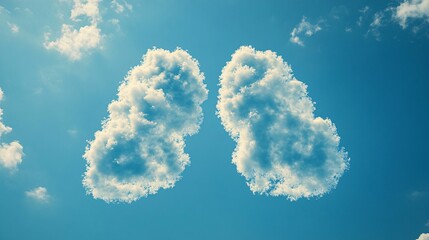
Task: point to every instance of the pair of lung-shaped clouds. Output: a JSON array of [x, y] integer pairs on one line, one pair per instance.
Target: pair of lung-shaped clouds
[[282, 149]]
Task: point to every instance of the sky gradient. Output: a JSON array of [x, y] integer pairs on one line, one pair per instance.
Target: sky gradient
[[365, 67]]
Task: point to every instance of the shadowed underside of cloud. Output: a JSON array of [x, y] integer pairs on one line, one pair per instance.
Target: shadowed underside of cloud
[[412, 9], [10, 153], [140, 148], [424, 236], [282, 148]]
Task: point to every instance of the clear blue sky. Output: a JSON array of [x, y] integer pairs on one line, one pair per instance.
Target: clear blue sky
[[369, 77]]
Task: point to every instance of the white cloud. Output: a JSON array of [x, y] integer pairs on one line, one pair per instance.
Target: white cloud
[[140, 148], [282, 148], [85, 8], [75, 42], [411, 9], [10, 153], [424, 236], [13, 27], [306, 28], [39, 194]]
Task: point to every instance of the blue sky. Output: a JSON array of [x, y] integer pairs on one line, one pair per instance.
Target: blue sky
[[364, 64]]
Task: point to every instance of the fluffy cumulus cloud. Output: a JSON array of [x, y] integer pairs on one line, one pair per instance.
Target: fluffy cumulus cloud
[[424, 236], [140, 148], [10, 153], [39, 194], [303, 28], [73, 42], [282, 148], [411, 9]]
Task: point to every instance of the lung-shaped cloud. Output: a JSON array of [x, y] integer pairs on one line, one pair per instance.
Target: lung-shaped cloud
[[282, 148], [140, 148]]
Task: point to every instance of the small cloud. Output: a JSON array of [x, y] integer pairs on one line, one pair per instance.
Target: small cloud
[[427, 224], [141, 146], [376, 22], [375, 25], [73, 43], [424, 236], [282, 148], [114, 21], [363, 12], [39, 194], [303, 28], [348, 29], [413, 9], [11, 154], [13, 27], [86, 9]]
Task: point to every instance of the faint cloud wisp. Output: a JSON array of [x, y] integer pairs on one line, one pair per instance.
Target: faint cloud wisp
[[303, 28]]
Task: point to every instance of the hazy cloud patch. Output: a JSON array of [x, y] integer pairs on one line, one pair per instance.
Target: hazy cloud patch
[[140, 148], [282, 148]]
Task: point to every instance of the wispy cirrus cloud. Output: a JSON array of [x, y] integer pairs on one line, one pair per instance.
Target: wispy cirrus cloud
[[140, 148], [282, 148]]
